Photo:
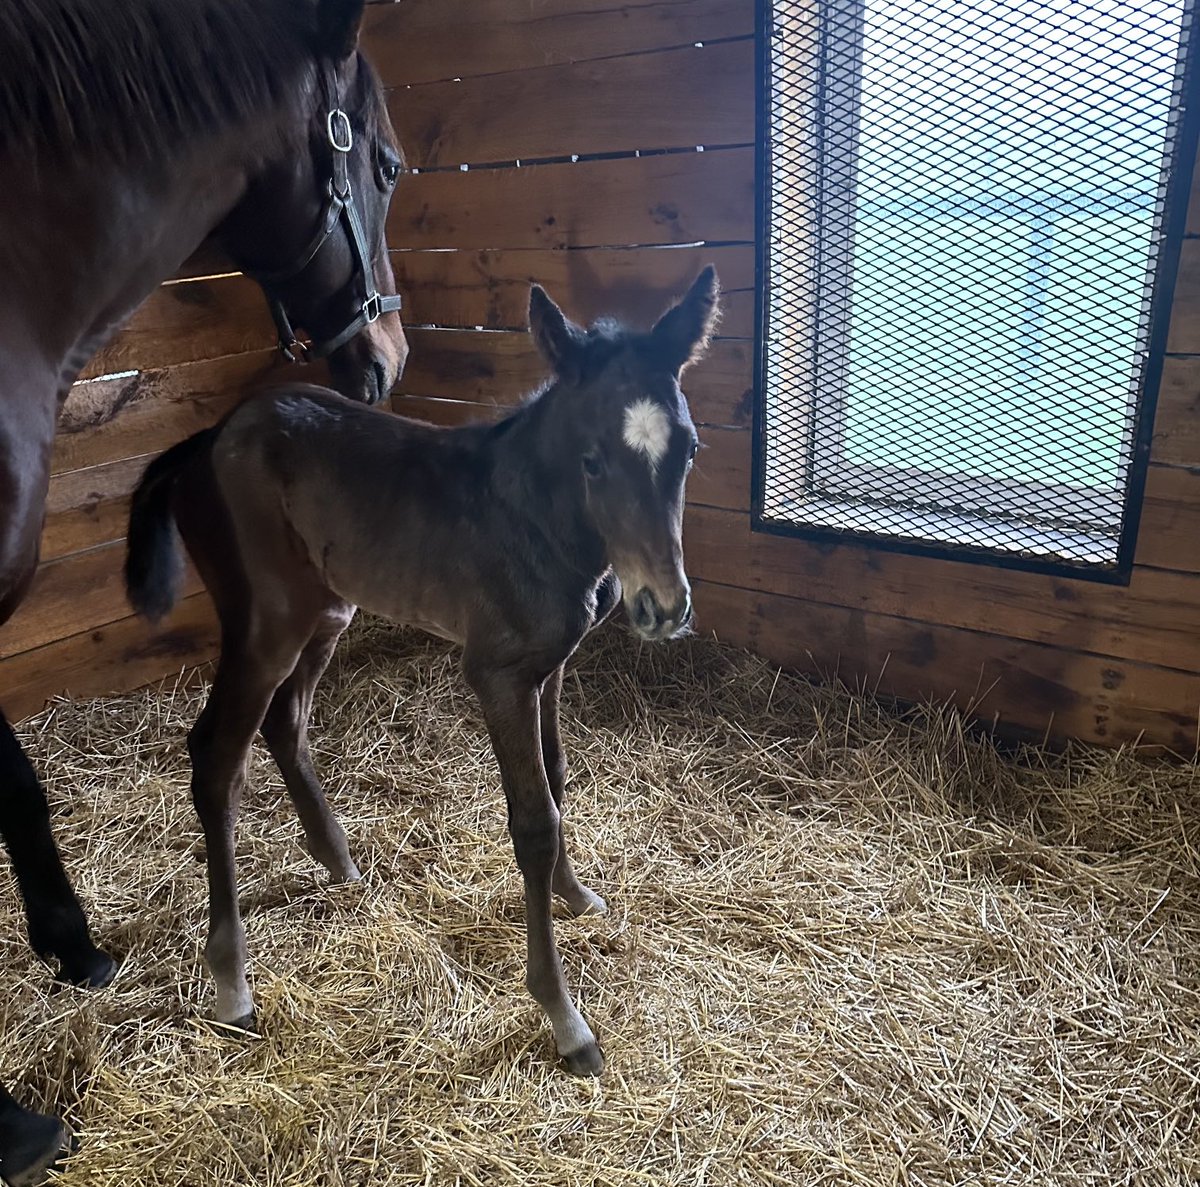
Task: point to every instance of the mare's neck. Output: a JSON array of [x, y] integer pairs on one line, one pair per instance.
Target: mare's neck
[[82, 247], [534, 477]]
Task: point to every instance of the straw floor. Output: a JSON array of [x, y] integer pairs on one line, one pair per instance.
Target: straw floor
[[844, 947]]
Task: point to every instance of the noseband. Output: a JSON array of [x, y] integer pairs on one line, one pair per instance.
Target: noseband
[[339, 208]]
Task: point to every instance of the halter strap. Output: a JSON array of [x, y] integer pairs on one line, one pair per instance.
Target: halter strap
[[339, 207]]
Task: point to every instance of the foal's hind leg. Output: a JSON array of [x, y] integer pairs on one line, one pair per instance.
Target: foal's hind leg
[[578, 897], [247, 677], [285, 730], [511, 708]]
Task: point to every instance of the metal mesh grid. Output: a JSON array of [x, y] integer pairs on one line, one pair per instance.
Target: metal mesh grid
[[965, 216]]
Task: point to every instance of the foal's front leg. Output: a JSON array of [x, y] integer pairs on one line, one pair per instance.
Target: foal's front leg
[[511, 708], [579, 898]]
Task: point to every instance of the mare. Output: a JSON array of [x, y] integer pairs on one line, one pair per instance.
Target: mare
[[513, 539], [131, 131]]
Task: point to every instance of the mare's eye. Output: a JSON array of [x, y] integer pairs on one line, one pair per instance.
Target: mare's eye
[[593, 465], [390, 172]]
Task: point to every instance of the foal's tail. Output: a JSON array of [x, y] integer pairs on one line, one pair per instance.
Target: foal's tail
[[154, 560]]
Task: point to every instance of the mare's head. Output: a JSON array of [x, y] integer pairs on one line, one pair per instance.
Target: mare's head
[[311, 225], [621, 422]]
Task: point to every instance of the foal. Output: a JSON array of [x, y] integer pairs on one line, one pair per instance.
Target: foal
[[513, 539]]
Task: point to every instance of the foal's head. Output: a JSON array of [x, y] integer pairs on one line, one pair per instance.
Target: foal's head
[[624, 427], [293, 234]]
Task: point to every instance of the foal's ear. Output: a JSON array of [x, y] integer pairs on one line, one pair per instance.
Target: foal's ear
[[338, 25], [683, 332], [558, 340]]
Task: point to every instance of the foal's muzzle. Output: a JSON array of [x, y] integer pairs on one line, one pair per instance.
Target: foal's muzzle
[[653, 621]]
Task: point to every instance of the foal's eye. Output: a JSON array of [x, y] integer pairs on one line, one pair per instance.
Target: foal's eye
[[692, 456], [593, 465]]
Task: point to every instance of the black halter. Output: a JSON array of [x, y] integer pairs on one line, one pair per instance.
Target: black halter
[[340, 206]]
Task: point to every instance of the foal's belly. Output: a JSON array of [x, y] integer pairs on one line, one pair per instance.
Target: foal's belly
[[401, 588]]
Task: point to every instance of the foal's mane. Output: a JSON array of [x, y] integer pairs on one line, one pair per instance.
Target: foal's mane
[[133, 78]]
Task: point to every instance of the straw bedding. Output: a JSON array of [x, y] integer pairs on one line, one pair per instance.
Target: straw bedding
[[845, 947]]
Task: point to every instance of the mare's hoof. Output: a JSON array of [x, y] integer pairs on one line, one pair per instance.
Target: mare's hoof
[[586, 1061], [95, 970], [30, 1144]]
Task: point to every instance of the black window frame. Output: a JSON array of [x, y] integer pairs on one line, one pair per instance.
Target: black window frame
[[1178, 185]]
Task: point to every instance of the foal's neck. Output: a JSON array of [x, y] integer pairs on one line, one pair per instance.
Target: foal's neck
[[537, 480]]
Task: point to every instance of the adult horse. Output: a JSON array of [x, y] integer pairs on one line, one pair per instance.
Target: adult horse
[[131, 130]]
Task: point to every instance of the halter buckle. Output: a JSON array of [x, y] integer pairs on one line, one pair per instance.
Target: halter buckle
[[372, 308], [295, 351], [339, 122]]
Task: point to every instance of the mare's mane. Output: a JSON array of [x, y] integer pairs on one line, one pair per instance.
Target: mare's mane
[[137, 78]]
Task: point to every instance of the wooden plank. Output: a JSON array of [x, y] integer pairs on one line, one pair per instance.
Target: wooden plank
[[89, 525], [80, 591], [188, 322], [1169, 535], [688, 197], [1183, 337], [1156, 619], [108, 419], [115, 658], [676, 99], [1027, 686], [1177, 417], [500, 368], [490, 289], [427, 40]]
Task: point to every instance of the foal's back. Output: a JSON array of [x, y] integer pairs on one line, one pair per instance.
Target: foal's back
[[379, 510]]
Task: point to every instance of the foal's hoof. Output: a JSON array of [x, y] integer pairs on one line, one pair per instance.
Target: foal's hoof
[[589, 903], [248, 1022], [94, 970], [585, 1061], [30, 1144]]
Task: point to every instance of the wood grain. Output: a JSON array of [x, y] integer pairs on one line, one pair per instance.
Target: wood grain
[[1156, 619], [1183, 337], [427, 40], [500, 368], [490, 289], [1027, 688], [78, 592], [675, 198], [110, 419], [110, 659], [188, 322], [675, 99]]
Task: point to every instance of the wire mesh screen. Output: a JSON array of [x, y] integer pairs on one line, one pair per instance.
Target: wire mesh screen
[[964, 225]]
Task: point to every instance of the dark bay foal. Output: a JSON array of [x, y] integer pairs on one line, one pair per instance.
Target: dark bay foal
[[513, 539]]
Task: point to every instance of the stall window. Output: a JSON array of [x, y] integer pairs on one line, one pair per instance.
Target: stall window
[[971, 215]]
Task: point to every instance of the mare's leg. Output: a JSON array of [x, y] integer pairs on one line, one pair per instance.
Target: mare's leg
[[29, 1143], [285, 729], [56, 923], [511, 708], [249, 672], [579, 898]]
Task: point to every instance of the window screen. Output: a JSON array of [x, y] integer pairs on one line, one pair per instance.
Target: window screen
[[970, 226]]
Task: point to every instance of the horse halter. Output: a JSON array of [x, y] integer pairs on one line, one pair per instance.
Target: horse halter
[[338, 208]]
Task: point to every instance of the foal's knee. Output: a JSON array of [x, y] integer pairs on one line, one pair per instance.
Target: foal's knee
[[535, 843]]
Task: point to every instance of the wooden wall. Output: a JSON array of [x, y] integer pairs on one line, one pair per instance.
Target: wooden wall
[[513, 89], [556, 140]]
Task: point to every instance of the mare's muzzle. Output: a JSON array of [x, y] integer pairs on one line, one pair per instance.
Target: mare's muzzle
[[655, 622]]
